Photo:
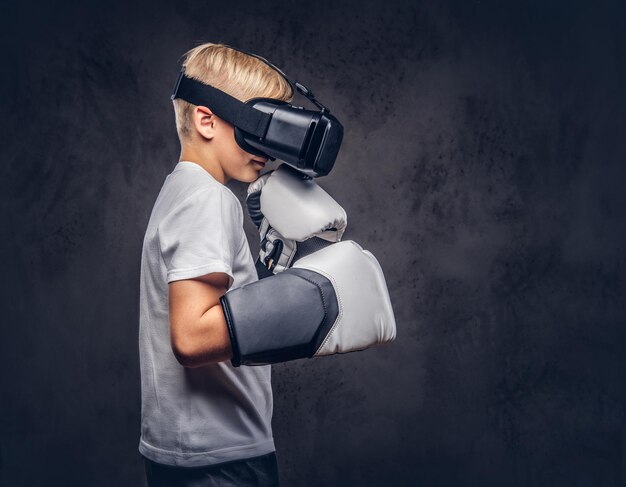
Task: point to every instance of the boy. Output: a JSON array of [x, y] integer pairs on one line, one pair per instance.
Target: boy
[[204, 422]]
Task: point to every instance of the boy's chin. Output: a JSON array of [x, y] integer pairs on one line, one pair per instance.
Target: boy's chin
[[249, 176]]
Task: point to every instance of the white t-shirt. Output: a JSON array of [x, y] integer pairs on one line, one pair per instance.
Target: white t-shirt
[[215, 413]]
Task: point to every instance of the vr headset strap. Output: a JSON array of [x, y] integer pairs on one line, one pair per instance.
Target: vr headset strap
[[229, 108]]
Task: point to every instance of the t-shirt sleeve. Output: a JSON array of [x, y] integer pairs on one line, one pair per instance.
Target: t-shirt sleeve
[[201, 235]]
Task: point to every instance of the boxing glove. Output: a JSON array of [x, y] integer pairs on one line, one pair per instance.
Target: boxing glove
[[334, 300], [290, 208]]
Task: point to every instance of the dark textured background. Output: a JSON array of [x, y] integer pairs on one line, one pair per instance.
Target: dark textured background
[[483, 164]]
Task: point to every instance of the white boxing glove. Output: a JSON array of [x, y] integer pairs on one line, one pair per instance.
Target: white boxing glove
[[332, 301], [288, 208]]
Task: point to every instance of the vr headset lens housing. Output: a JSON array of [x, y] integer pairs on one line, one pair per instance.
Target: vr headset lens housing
[[308, 140]]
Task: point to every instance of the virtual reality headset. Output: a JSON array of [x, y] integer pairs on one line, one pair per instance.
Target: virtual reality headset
[[308, 140]]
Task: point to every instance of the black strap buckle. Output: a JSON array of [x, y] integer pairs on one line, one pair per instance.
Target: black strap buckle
[[175, 92], [272, 259]]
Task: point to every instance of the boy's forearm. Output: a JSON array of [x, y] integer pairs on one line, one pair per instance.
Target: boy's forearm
[[204, 342]]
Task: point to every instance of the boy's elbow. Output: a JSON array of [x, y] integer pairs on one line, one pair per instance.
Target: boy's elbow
[[184, 353], [189, 355], [201, 342]]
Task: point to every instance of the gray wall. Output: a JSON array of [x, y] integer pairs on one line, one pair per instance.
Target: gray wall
[[483, 164]]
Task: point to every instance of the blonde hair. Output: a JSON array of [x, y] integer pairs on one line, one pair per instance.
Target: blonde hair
[[234, 72]]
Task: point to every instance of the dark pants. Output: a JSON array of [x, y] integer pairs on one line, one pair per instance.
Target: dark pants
[[258, 472]]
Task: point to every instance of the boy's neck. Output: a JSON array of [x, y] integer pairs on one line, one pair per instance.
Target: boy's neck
[[209, 164]]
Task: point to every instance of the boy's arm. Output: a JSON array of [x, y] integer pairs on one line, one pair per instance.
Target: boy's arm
[[198, 330]]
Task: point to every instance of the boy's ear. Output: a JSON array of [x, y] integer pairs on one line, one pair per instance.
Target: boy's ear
[[204, 121]]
